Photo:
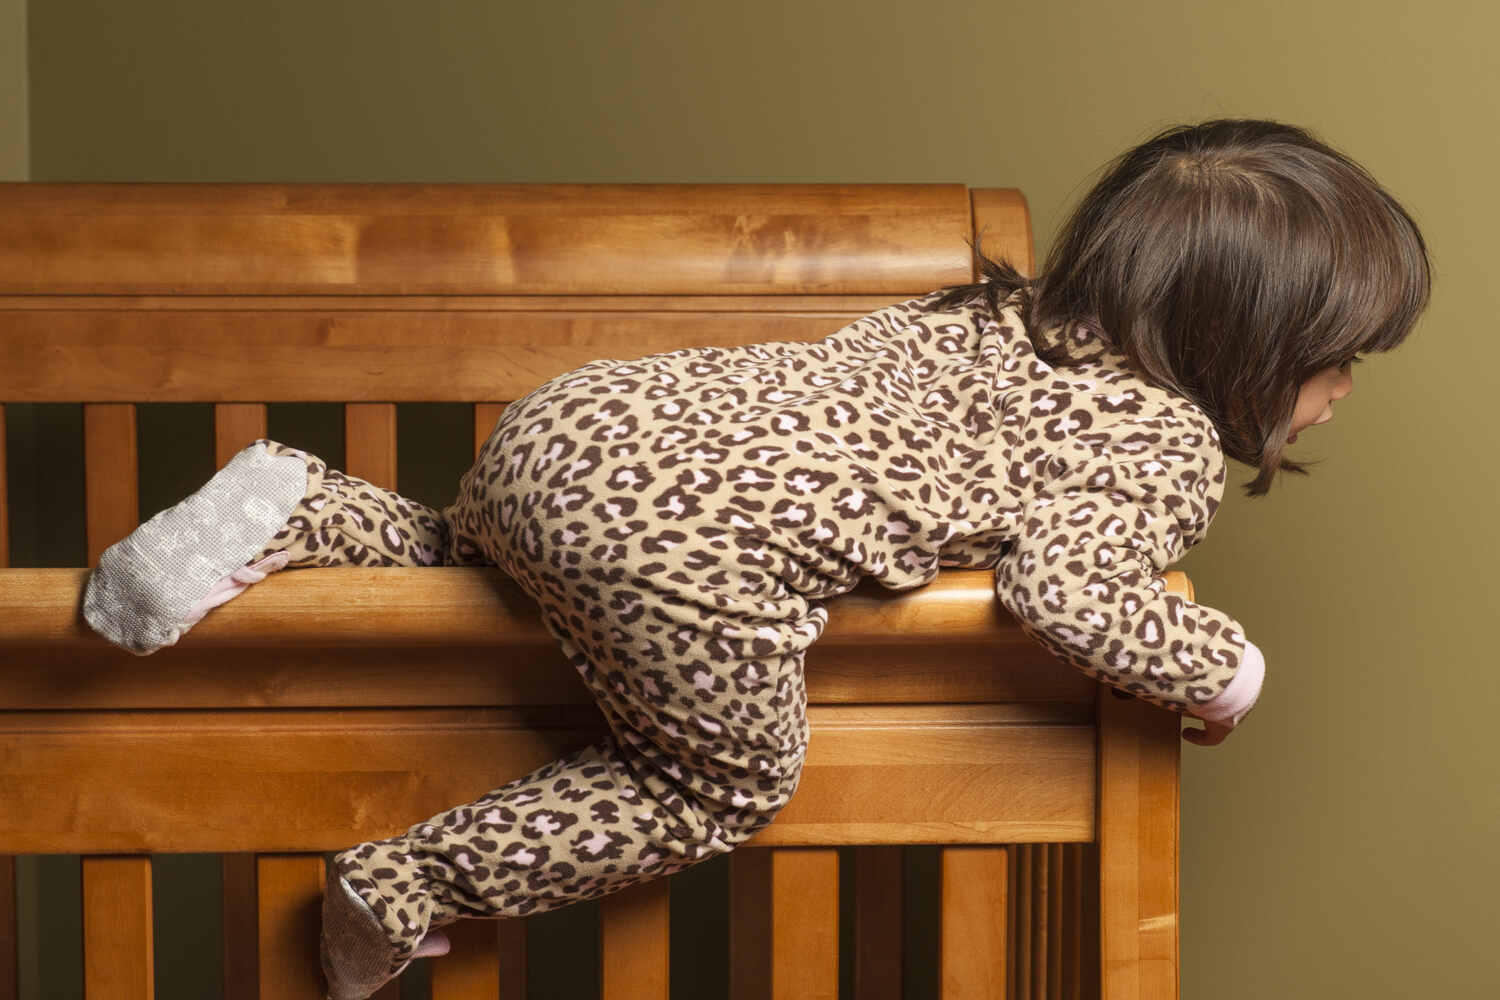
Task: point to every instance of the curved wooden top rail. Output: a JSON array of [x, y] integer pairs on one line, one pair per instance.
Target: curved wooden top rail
[[482, 239], [479, 607]]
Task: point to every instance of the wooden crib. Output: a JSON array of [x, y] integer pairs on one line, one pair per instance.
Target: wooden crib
[[325, 708]]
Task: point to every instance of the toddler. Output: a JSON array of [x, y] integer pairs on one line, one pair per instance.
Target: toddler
[[683, 519]]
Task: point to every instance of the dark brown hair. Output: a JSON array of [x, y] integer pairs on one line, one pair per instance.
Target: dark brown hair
[[1230, 261]]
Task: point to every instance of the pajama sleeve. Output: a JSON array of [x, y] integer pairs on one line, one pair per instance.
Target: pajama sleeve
[[1119, 505]]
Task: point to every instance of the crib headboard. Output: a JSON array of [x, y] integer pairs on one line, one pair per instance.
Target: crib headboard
[[277, 731]]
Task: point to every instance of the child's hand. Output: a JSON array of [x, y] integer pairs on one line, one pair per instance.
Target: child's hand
[[1211, 735]]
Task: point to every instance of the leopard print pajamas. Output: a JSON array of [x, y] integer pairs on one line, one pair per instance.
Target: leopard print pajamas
[[682, 519]]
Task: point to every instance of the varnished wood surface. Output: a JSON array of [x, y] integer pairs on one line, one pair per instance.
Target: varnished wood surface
[[467, 606], [410, 239], [974, 931], [1002, 227], [634, 926], [471, 970], [1139, 823], [251, 356], [322, 779], [4, 507], [878, 928], [284, 660], [240, 922], [118, 950], [805, 924], [236, 425], [370, 443], [270, 676], [290, 889], [110, 475]]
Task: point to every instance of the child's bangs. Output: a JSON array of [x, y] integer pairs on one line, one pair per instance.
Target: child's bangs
[[1379, 281]]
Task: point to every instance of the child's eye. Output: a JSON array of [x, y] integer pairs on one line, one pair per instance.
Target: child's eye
[[1350, 362]]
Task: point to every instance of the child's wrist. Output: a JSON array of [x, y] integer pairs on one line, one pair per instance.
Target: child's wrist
[[1239, 696]]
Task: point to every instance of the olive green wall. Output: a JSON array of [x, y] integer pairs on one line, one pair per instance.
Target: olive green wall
[[14, 135], [1340, 843]]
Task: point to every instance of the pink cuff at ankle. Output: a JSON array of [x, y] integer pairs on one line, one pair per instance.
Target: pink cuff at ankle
[[235, 583], [1232, 704]]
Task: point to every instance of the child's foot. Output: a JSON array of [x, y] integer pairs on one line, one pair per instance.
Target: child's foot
[[356, 953], [153, 585]]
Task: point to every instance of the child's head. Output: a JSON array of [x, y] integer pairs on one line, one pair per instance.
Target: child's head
[[1240, 263]]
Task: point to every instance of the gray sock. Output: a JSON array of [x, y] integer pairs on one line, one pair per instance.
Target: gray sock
[[140, 594], [355, 952]]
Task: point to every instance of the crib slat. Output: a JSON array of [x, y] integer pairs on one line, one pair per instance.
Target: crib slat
[[9, 922], [804, 897], [4, 509], [471, 970], [370, 442], [1025, 922], [1041, 913], [486, 415], [290, 893], [235, 426], [784, 924], [9, 957], [877, 922], [974, 931], [110, 474], [750, 924], [1055, 931], [634, 928], [241, 926], [117, 942], [1070, 984], [805, 924], [1139, 815], [511, 935]]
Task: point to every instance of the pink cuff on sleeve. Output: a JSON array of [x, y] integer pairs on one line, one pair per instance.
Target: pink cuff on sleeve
[[1231, 704]]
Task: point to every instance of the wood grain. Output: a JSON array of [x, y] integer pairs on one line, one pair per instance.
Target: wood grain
[[4, 500], [1002, 227], [486, 416], [248, 354], [480, 606], [471, 970], [240, 909], [236, 425], [878, 922], [975, 935], [1139, 817], [118, 949], [475, 239], [118, 781], [634, 927], [299, 674], [751, 924], [805, 924], [110, 475], [370, 443], [290, 890]]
